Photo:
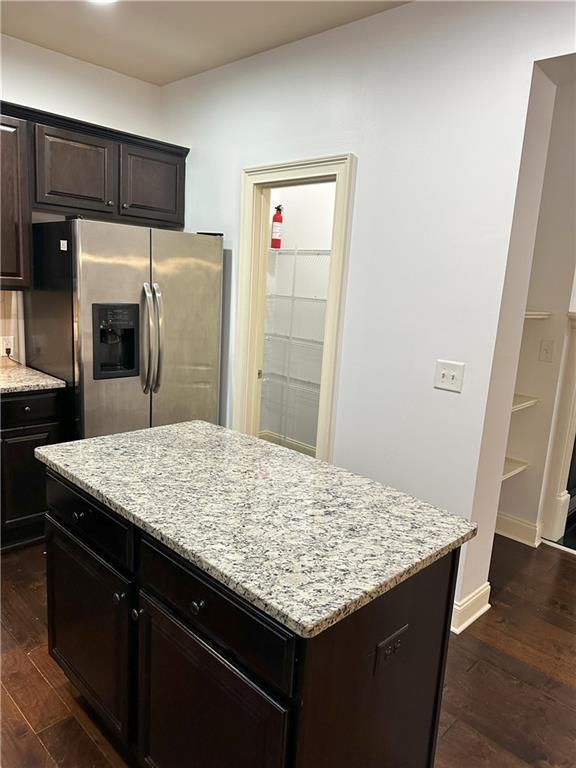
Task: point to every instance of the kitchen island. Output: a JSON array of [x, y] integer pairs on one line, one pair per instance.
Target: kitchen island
[[223, 602]]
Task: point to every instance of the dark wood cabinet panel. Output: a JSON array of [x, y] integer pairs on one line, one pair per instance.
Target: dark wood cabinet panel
[[265, 649], [15, 223], [76, 170], [108, 534], [29, 420], [194, 708], [22, 409], [151, 184], [89, 625], [23, 486]]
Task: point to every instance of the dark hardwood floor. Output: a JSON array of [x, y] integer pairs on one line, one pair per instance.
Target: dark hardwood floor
[[509, 700]]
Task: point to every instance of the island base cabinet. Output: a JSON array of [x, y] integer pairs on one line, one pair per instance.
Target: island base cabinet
[[89, 626], [194, 709], [372, 683]]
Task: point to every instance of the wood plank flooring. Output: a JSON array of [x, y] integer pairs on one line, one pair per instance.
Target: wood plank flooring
[[509, 698]]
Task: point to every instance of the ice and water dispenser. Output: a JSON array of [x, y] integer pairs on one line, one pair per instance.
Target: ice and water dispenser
[[115, 333]]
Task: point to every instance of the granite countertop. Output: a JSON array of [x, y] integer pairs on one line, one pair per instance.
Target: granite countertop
[[18, 378], [304, 541]]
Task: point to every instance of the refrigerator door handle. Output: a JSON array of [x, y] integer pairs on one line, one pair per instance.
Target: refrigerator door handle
[[160, 336], [151, 338]]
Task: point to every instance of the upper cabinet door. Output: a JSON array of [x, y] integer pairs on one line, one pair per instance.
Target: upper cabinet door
[[15, 219], [76, 170], [152, 184]]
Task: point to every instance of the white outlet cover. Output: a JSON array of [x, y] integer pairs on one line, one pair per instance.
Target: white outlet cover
[[5, 342], [449, 375]]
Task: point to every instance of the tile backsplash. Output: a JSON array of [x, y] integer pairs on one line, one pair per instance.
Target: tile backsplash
[[12, 321]]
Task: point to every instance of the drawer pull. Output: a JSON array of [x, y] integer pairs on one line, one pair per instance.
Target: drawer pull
[[118, 597], [27, 409], [110, 202], [124, 205], [78, 516], [197, 606], [135, 613]]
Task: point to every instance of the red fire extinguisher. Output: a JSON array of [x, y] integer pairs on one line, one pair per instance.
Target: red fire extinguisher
[[277, 228]]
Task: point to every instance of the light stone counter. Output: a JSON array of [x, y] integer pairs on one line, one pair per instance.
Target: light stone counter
[[304, 541], [18, 378]]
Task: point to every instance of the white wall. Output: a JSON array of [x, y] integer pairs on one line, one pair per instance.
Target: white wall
[[432, 98], [36, 77], [308, 215]]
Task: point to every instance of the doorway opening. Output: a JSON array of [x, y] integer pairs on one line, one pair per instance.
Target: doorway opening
[[296, 294], [534, 500], [290, 302]]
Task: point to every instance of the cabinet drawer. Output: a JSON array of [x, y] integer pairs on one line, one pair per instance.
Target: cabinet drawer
[[107, 535], [264, 648], [22, 410]]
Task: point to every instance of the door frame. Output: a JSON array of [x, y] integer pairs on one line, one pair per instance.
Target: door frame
[[254, 237], [557, 500]]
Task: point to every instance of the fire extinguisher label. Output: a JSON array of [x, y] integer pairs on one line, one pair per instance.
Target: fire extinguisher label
[[276, 231]]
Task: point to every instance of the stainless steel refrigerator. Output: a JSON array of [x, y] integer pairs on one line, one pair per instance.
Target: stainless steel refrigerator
[[130, 318]]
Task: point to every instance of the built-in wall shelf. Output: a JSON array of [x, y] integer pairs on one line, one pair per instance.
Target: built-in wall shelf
[[532, 315], [523, 401], [513, 467]]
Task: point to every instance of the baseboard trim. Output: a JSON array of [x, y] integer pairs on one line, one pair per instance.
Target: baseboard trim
[[519, 530], [466, 611], [561, 547]]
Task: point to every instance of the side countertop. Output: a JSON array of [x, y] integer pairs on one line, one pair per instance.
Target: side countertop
[[306, 542], [18, 378]]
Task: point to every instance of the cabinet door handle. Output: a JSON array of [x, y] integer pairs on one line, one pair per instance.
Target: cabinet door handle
[[78, 516], [124, 205], [27, 409], [110, 202], [118, 597], [135, 613], [197, 606]]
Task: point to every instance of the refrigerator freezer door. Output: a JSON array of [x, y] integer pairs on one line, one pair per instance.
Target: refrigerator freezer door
[[187, 271], [113, 264]]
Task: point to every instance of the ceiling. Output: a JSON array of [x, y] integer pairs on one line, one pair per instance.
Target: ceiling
[[160, 42]]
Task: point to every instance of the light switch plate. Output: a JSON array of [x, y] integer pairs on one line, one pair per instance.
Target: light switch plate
[[449, 375], [546, 354]]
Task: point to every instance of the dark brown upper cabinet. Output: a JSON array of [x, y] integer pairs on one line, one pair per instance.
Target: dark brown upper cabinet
[[15, 218], [151, 184], [72, 168], [76, 170]]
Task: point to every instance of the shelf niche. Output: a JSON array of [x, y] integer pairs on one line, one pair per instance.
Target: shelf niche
[[513, 467], [533, 315], [523, 401]]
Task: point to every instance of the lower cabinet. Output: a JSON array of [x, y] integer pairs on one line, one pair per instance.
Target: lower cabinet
[[23, 484], [194, 708], [164, 692], [89, 626], [28, 422]]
